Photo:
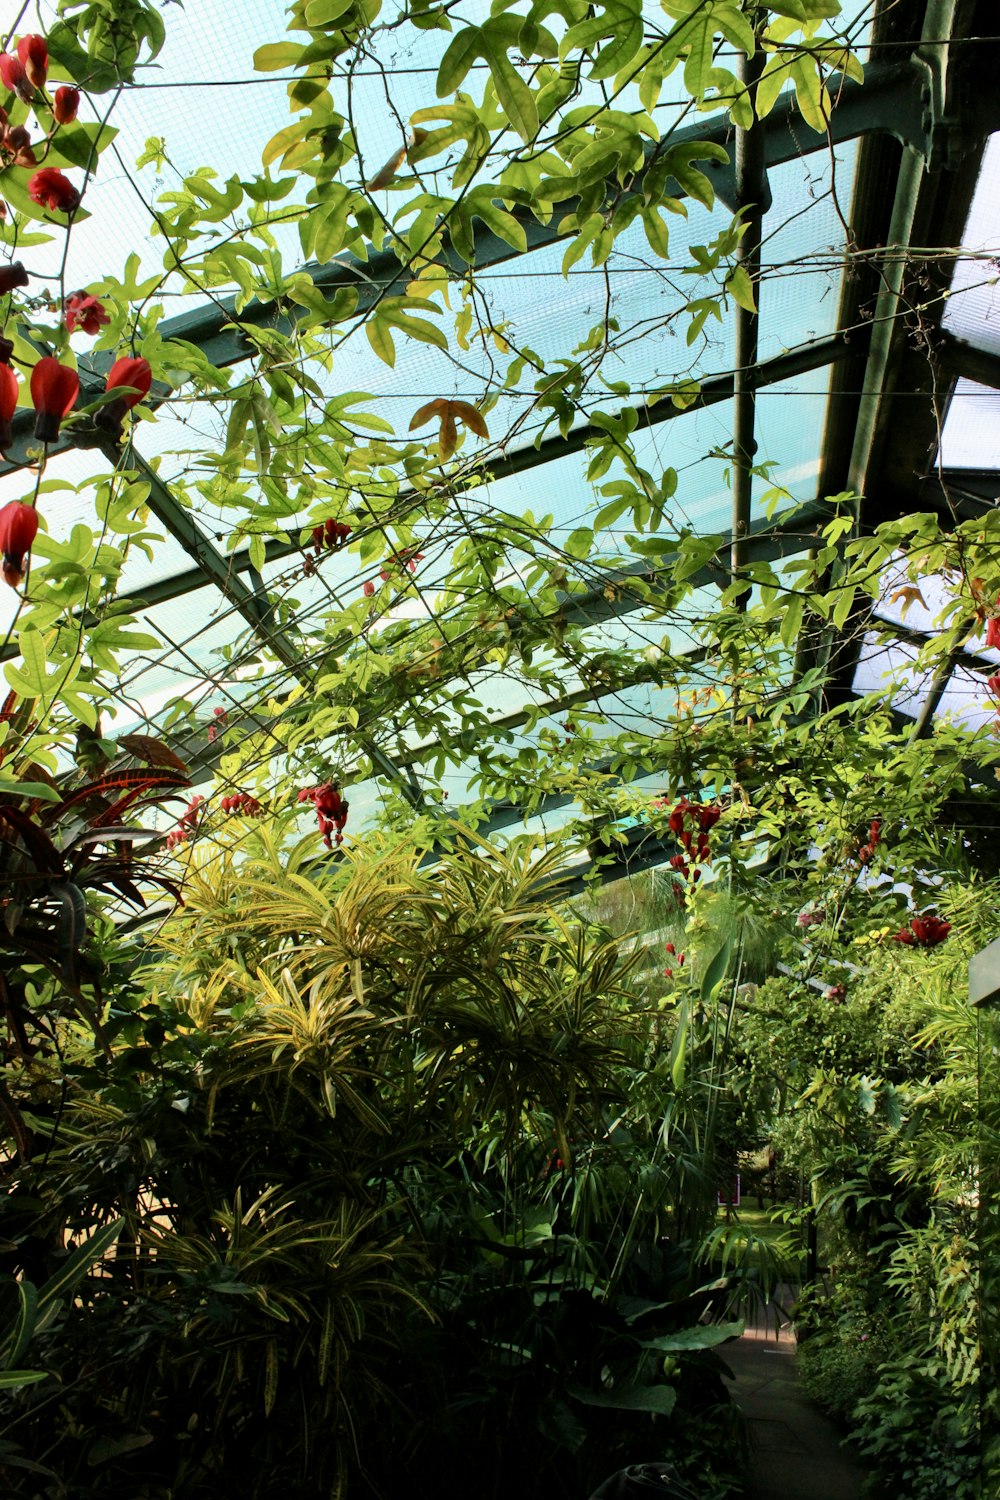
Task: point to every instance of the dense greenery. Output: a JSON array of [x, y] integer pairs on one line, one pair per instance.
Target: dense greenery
[[380, 1158]]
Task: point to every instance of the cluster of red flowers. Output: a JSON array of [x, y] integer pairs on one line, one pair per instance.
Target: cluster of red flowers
[[403, 561], [923, 932], [692, 822], [54, 389], [24, 73], [680, 957], [242, 802], [867, 851], [331, 810], [186, 824], [329, 536]]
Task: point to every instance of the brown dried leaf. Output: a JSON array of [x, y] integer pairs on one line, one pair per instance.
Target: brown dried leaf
[[386, 173], [909, 594], [151, 751], [471, 417]]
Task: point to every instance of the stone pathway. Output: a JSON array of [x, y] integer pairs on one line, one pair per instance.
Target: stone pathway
[[797, 1453]]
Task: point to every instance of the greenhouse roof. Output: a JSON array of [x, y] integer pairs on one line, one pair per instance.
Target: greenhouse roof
[[867, 364]]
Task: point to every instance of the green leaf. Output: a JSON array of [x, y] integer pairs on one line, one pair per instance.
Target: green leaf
[[39, 790], [322, 13], [76, 1266], [791, 620], [702, 1336], [24, 1324], [277, 57], [515, 97], [459, 56], [380, 338], [740, 288], [715, 973], [659, 1399], [9, 1379]]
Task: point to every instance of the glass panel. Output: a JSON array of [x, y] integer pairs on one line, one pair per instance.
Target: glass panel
[[972, 312], [971, 436]]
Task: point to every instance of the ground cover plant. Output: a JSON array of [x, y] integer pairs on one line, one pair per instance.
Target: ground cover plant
[[320, 1112]]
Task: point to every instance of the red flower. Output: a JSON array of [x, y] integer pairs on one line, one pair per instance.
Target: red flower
[[368, 588], [84, 312], [17, 144], [993, 632], [65, 105], [54, 388], [926, 931], [18, 529], [11, 276], [242, 802], [186, 824], [34, 58], [132, 377], [993, 685], [331, 810], [14, 77], [8, 403], [51, 189]]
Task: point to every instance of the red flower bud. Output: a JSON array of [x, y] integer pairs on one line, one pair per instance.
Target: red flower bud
[[18, 529], [51, 189], [34, 58], [9, 388], [993, 632], [65, 105], [12, 276], [54, 388], [124, 373], [368, 588], [17, 142], [14, 77]]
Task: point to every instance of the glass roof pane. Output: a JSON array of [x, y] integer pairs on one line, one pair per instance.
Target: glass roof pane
[[971, 436], [972, 312]]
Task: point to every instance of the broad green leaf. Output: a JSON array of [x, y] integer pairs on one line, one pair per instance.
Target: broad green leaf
[[659, 1399], [39, 790], [702, 1336], [277, 57], [459, 56], [322, 13], [10, 1379]]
